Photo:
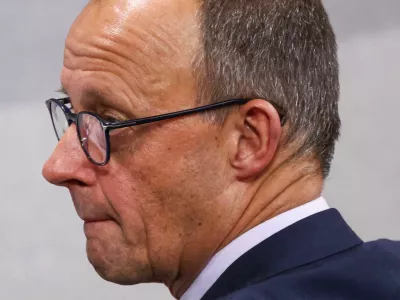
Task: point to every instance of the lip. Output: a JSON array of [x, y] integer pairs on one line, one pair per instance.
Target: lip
[[86, 211], [93, 228], [86, 218], [93, 223], [88, 221]]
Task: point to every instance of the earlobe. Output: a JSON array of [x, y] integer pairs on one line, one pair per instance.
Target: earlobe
[[259, 132]]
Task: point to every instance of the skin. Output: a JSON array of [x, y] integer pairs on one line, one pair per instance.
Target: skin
[[174, 192]]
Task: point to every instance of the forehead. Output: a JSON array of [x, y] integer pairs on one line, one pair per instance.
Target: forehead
[[146, 44], [114, 16]]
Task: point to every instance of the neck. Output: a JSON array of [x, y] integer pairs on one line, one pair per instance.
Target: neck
[[277, 192]]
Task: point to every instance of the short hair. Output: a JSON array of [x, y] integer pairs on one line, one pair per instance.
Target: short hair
[[279, 50]]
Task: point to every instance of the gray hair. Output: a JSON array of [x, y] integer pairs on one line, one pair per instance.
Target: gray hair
[[279, 50]]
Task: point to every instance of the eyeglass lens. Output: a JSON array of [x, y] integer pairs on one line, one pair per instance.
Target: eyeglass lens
[[91, 132], [92, 137], [59, 120]]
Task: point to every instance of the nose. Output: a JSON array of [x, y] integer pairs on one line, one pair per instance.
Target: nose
[[68, 163]]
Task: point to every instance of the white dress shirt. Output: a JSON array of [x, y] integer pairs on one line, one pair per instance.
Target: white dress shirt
[[228, 255]]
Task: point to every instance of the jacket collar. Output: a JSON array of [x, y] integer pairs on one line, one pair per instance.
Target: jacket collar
[[311, 239]]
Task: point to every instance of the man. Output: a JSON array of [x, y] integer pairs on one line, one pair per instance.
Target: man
[[195, 140]]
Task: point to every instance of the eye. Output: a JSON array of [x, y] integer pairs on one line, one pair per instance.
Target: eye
[[110, 119], [111, 116]]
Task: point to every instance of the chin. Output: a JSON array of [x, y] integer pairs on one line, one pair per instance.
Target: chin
[[115, 265], [116, 277]]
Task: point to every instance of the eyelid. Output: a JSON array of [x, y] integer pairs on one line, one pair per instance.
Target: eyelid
[[103, 112], [108, 113]]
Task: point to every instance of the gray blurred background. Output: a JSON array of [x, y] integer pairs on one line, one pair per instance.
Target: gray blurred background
[[42, 248]]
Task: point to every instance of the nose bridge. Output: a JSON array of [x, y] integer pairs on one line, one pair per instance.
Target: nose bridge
[[67, 160]]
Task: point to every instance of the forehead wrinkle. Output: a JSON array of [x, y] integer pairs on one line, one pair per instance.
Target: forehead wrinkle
[[86, 64], [149, 54], [145, 58], [104, 50], [143, 80], [174, 42], [169, 26], [107, 96], [133, 34]]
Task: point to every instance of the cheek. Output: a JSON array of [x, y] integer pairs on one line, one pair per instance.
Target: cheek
[[147, 185], [166, 175], [156, 159], [162, 191], [138, 196], [174, 174], [124, 195]]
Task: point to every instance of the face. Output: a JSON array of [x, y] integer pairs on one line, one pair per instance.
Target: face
[[160, 193]]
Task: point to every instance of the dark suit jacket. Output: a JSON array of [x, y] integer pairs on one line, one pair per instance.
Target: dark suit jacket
[[319, 257]]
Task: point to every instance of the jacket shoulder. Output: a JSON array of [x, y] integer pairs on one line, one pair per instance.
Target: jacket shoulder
[[384, 245], [368, 271]]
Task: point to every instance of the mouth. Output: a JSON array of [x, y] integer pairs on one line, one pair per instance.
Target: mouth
[[93, 220], [93, 217], [96, 227]]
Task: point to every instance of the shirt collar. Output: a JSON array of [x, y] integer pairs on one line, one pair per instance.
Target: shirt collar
[[228, 255]]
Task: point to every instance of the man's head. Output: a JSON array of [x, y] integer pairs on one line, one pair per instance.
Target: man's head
[[175, 191]]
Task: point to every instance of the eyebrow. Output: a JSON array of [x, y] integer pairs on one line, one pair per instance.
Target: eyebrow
[[62, 90], [88, 97], [92, 98]]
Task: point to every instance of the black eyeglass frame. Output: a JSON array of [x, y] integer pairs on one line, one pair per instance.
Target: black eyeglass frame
[[110, 126]]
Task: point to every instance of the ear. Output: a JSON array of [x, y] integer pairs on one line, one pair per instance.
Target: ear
[[257, 133]]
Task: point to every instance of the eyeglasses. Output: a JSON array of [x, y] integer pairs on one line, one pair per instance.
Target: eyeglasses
[[94, 132]]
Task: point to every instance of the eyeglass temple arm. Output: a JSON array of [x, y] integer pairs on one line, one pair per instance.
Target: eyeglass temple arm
[[177, 114], [184, 113]]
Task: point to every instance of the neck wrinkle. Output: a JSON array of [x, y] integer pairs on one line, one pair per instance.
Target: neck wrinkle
[[276, 193], [283, 189]]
